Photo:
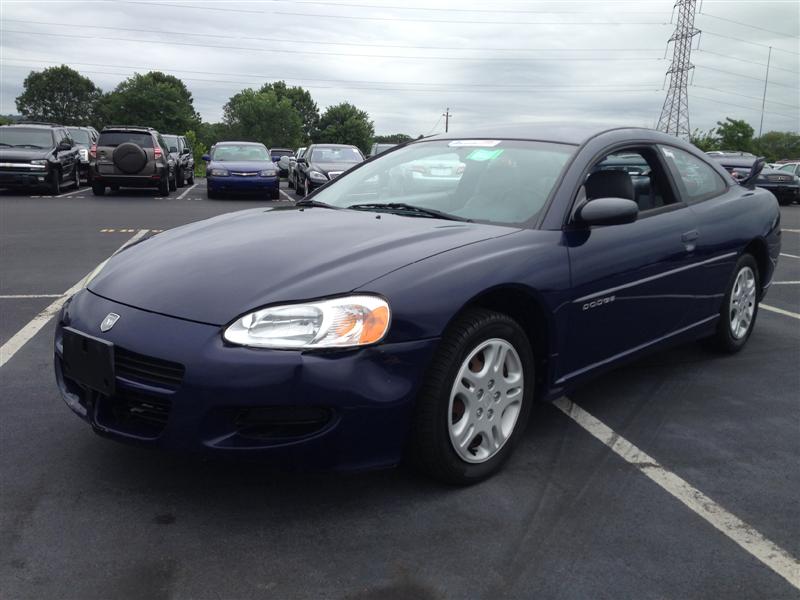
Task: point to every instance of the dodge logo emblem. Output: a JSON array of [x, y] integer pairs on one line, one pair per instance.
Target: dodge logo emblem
[[109, 321]]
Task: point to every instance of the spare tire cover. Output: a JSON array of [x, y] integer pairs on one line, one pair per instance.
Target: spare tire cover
[[129, 157]]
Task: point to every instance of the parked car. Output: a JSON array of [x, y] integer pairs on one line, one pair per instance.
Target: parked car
[[789, 167], [38, 155], [84, 138], [241, 167], [292, 168], [277, 154], [323, 162], [784, 185], [129, 156], [379, 148], [181, 153], [418, 323]]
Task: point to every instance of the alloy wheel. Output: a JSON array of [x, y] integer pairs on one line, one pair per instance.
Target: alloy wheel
[[742, 302]]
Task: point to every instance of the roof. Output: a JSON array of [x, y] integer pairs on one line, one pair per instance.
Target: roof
[[128, 128], [568, 133], [33, 124], [735, 160], [239, 143]]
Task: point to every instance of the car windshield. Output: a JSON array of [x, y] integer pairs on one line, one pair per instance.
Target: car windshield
[[80, 136], [172, 140], [26, 136], [243, 152], [335, 154], [115, 138], [498, 181]]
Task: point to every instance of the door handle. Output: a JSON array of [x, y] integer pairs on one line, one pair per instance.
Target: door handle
[[689, 238]]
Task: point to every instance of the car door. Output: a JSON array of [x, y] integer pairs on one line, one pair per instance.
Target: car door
[[66, 157], [632, 285]]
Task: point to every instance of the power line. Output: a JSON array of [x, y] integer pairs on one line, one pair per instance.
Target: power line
[[795, 117], [736, 39], [744, 60], [307, 52], [781, 33], [327, 43], [745, 76], [711, 89]]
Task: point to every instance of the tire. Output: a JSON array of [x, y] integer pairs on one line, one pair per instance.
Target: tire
[[729, 337], [274, 194], [290, 182], [190, 179], [55, 183], [179, 179], [129, 158], [98, 189], [785, 201], [212, 195], [471, 338], [163, 186], [173, 183]]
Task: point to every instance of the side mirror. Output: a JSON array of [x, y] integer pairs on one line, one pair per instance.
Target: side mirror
[[206, 157], [283, 161], [755, 171], [302, 161], [608, 211], [64, 146], [173, 149], [186, 151]]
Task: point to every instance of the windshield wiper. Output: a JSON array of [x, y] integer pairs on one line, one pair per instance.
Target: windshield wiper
[[27, 146], [4, 144], [316, 203], [401, 207]]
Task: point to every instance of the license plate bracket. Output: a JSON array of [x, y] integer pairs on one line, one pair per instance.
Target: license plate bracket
[[89, 361]]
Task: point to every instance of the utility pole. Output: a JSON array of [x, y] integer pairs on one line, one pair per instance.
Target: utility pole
[[446, 114], [675, 112], [764, 99]]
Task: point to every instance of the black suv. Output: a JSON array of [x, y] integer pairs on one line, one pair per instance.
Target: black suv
[[128, 156], [38, 155], [181, 153]]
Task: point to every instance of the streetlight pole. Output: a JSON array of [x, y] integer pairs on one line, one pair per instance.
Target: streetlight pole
[[446, 114], [764, 98]]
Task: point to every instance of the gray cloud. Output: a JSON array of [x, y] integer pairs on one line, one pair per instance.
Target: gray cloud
[[532, 66]]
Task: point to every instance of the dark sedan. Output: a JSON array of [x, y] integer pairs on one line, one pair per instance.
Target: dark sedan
[[323, 162], [785, 186], [418, 319]]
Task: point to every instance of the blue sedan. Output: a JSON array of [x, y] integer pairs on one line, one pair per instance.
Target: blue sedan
[[235, 167], [427, 315]]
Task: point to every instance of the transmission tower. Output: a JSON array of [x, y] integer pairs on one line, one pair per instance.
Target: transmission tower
[[675, 112]]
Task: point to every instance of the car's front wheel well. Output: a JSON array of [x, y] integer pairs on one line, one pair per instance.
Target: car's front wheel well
[[526, 310], [759, 251]]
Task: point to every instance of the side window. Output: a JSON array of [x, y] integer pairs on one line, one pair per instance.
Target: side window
[[163, 144], [789, 168], [696, 180]]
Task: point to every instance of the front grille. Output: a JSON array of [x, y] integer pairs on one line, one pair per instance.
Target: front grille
[[147, 369], [244, 173], [778, 178], [134, 412]]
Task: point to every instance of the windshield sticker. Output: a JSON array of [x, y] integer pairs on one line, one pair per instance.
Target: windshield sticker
[[482, 154], [473, 143]]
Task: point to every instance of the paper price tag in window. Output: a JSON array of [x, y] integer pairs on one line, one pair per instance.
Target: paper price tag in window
[[473, 143]]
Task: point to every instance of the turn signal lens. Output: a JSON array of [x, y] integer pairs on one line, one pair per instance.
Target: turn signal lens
[[336, 323]]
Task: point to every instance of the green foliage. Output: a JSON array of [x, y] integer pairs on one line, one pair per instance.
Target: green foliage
[[198, 150], [4, 120], [302, 102], [735, 134], [394, 138], [346, 124], [705, 140], [777, 145], [154, 100], [262, 117], [211, 133], [58, 94]]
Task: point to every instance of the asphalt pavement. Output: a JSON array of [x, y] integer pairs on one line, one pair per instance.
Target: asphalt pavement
[[82, 517]]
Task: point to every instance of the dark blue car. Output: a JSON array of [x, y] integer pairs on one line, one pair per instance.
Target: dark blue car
[[241, 167], [420, 315]]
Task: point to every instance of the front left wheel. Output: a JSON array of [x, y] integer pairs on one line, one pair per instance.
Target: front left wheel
[[476, 399]]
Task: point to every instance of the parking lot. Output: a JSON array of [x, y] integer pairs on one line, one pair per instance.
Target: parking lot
[[569, 517]]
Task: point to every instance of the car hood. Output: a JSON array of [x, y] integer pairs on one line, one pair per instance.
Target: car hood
[[23, 154], [215, 270], [335, 167], [241, 165]]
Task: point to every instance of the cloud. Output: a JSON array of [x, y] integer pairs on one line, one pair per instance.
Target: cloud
[[506, 62]]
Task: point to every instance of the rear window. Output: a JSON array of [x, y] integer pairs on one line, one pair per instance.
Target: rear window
[[276, 154], [79, 135], [115, 138], [172, 140]]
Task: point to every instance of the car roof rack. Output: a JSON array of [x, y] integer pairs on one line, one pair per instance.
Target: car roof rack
[[44, 123], [141, 127]]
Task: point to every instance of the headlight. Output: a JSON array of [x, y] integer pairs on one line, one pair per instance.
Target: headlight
[[219, 172], [88, 279], [337, 323], [317, 176], [267, 173], [84, 154], [39, 162]]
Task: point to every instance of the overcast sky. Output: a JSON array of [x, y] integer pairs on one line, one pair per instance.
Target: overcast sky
[[405, 61]]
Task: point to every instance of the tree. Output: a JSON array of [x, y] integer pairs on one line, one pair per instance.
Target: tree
[[705, 140], [776, 145], [154, 99], [734, 134], [198, 150], [263, 117], [58, 94], [210, 133], [394, 138], [302, 102], [346, 124]]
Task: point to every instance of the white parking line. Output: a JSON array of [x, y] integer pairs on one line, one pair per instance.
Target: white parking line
[[23, 296], [780, 311], [288, 197], [789, 255], [189, 189], [785, 282], [772, 555], [70, 193], [791, 230], [19, 339]]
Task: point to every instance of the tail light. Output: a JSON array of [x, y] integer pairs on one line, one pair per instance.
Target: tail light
[[93, 151], [157, 152]]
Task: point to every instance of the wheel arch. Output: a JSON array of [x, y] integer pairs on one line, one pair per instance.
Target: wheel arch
[[759, 250]]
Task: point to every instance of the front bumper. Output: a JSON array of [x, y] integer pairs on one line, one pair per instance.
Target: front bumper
[[237, 183], [179, 386], [24, 178]]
